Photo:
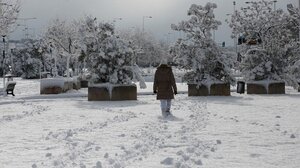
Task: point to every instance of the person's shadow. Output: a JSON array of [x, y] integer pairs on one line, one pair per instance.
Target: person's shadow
[[170, 118]]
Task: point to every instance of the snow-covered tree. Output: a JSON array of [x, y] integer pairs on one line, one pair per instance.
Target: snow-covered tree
[[9, 11], [109, 58], [27, 60], [266, 39], [63, 38], [294, 46], [294, 22], [32, 58], [197, 52], [47, 59], [293, 51]]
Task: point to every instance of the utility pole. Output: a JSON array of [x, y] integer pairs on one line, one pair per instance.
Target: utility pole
[[3, 57], [115, 20], [143, 29], [143, 36], [274, 4], [235, 35]]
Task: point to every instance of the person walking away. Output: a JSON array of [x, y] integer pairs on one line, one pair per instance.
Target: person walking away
[[165, 87]]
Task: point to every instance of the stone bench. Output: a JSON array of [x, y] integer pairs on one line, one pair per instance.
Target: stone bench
[[216, 89]]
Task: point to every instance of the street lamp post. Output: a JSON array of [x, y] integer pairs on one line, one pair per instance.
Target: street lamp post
[[115, 20], [235, 34], [274, 4], [3, 57], [55, 66], [26, 29], [143, 29], [234, 3], [168, 38]]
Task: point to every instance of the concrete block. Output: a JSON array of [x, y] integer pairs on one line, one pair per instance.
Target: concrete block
[[118, 93], [216, 89]]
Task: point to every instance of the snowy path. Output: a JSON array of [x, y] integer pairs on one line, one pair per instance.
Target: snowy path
[[115, 134], [148, 137], [240, 131]]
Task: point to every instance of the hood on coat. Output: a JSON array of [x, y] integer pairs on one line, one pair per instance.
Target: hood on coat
[[163, 66]]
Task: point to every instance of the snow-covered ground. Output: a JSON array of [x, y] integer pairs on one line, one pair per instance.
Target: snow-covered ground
[[66, 130]]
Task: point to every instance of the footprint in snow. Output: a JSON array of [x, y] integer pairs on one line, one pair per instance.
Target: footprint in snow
[[293, 136]]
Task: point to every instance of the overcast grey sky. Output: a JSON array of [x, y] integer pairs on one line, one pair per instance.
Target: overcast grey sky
[[164, 13]]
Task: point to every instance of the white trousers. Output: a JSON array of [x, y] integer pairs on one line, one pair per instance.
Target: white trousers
[[165, 105]]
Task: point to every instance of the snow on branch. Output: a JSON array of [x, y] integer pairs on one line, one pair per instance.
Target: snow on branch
[[8, 15]]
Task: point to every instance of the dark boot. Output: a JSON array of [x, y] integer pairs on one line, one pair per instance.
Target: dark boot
[[168, 113]]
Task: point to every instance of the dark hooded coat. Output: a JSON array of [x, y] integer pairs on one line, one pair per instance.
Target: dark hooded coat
[[164, 82]]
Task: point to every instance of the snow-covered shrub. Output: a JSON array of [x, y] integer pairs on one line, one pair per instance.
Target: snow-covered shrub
[[267, 39], [109, 58], [197, 52]]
